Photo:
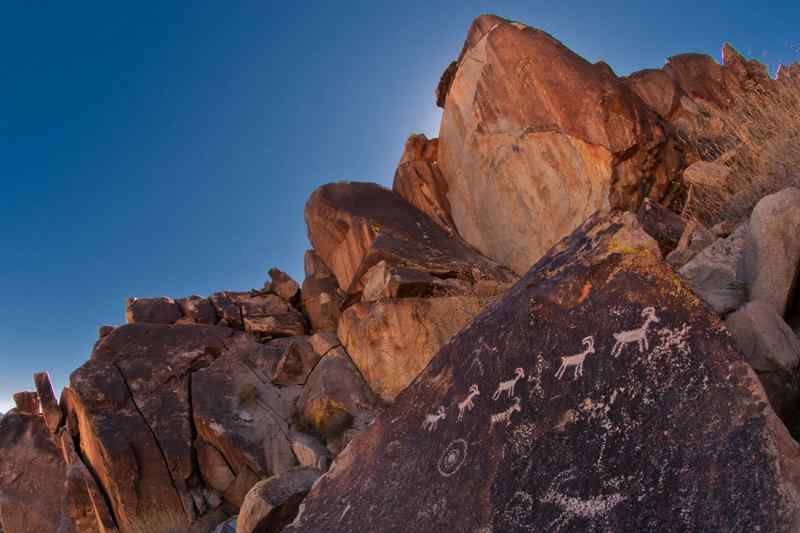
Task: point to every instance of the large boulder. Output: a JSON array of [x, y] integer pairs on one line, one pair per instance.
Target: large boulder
[[273, 503], [391, 341], [773, 350], [597, 395], [535, 138], [772, 250], [160, 310], [321, 296], [353, 226], [32, 473]]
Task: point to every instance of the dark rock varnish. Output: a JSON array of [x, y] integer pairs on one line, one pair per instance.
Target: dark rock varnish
[[598, 395]]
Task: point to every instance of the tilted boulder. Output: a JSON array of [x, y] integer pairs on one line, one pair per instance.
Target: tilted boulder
[[534, 139], [598, 394], [273, 503], [283, 284], [32, 473], [321, 296], [47, 398], [353, 226], [771, 260]]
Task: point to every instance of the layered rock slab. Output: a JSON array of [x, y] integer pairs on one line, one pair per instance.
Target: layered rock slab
[[534, 139], [598, 394]]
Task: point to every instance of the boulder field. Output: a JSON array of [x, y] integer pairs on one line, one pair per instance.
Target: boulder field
[[525, 333]]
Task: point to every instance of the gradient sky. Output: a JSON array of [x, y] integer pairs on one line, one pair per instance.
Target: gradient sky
[[169, 149]]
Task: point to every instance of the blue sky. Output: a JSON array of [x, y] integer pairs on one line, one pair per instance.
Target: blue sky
[[169, 148]]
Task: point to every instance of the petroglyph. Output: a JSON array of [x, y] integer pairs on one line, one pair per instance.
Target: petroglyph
[[535, 378], [431, 421], [575, 507], [505, 416], [518, 510], [638, 335], [467, 404], [576, 360], [453, 458], [508, 385]]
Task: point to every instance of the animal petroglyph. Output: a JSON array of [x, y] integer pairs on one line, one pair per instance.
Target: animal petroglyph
[[467, 404], [453, 458], [508, 385], [505, 416], [638, 335], [431, 421], [576, 360]]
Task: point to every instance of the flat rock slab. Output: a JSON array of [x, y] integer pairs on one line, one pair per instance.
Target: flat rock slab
[[598, 395]]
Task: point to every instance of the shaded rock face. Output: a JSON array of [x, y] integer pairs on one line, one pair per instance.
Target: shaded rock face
[[534, 139], [597, 395], [353, 226], [321, 296], [273, 503], [31, 466], [392, 341]]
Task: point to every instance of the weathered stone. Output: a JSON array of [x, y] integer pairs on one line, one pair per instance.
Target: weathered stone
[[237, 490], [27, 402], [289, 324], [335, 397], [152, 310], [534, 139], [606, 399], [696, 238], [773, 350], [353, 226], [665, 226], [657, 89], [393, 340], [296, 362], [227, 308], [213, 467], [31, 475], [104, 330], [283, 284], [310, 451], [383, 281], [229, 526], [724, 228], [47, 398], [772, 249], [196, 310], [788, 72], [712, 274], [324, 342], [273, 503]]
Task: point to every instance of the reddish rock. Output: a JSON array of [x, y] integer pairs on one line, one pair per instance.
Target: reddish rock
[[152, 310], [353, 226], [321, 296], [236, 492], [47, 397], [283, 284], [31, 475], [213, 467], [572, 423], [104, 330], [226, 306], [196, 310], [788, 72], [665, 226], [296, 362], [27, 403], [534, 139], [273, 503]]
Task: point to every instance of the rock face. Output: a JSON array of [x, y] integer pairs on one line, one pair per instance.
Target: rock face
[[772, 249], [272, 503], [598, 394], [353, 226], [31, 466], [321, 296], [534, 139], [392, 341]]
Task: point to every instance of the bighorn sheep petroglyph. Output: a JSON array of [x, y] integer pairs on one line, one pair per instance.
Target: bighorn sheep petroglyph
[[467, 404], [577, 359], [638, 335], [508, 386], [505, 416], [432, 420]]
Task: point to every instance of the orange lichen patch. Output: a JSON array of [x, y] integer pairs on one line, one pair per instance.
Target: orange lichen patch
[[587, 288]]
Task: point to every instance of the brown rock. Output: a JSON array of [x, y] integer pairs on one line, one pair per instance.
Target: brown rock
[[47, 398], [226, 306], [310, 451], [289, 324], [296, 362], [213, 467], [353, 226], [273, 503], [665, 226], [31, 475], [104, 330], [574, 424], [788, 72], [197, 310], [27, 403], [321, 297], [152, 310], [534, 139], [283, 285], [392, 341], [237, 490], [443, 87]]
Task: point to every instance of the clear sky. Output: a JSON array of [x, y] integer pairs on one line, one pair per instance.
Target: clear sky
[[169, 148]]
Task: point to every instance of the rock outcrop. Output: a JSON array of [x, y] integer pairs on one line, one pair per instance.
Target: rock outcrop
[[273, 503], [534, 139], [598, 394]]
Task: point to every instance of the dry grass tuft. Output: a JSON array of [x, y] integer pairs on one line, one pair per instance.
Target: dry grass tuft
[[756, 153]]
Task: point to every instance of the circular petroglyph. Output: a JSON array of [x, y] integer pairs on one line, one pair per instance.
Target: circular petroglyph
[[452, 458]]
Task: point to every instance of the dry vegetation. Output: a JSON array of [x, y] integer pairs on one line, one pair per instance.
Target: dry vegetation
[[759, 146]]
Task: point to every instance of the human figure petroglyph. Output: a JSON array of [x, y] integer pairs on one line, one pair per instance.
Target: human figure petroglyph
[[467, 404], [638, 335], [505, 416], [508, 385], [431, 421], [577, 359]]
